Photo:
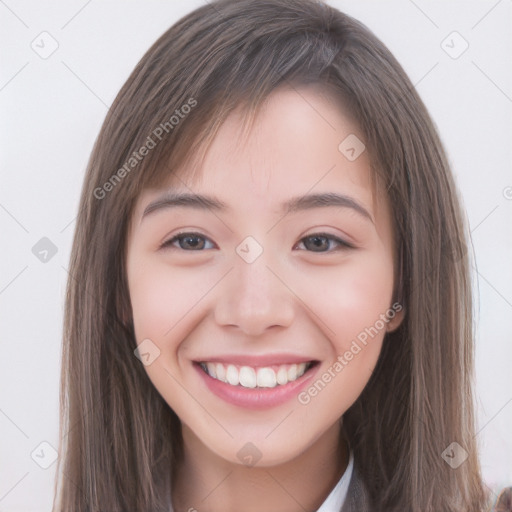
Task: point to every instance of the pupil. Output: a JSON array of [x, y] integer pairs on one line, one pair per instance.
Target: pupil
[[188, 239], [318, 241]]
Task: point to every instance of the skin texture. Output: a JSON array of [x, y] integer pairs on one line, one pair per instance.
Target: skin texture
[[294, 299]]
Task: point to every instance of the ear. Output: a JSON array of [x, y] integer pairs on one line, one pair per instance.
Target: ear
[[397, 307], [395, 322]]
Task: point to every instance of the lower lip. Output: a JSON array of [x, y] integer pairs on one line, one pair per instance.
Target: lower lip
[[256, 398]]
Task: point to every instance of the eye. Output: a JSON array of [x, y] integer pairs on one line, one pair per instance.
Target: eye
[[317, 242], [323, 242], [187, 242]]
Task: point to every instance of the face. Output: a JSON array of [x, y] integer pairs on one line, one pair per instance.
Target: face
[[261, 315]]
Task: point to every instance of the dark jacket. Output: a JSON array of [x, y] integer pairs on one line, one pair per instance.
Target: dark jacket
[[357, 499]]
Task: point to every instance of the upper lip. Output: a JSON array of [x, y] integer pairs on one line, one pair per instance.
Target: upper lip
[[257, 360]]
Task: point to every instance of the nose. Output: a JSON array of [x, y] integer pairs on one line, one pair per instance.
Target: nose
[[254, 297]]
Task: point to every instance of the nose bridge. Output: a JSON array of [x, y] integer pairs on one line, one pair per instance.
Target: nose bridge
[[253, 298], [255, 284]]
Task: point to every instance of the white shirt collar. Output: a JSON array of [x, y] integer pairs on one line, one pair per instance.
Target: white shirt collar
[[338, 495]]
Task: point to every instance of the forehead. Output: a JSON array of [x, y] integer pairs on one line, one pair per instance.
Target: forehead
[[292, 144], [290, 150]]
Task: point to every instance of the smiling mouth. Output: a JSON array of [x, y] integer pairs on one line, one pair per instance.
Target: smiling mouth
[[256, 377]]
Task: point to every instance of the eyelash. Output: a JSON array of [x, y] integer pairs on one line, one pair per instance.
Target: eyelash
[[342, 243]]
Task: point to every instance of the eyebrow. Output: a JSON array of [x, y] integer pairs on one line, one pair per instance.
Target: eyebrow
[[295, 204]]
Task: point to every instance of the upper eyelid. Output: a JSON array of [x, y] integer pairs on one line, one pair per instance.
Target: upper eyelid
[[342, 242], [175, 237]]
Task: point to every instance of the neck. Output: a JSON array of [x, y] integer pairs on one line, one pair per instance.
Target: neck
[[206, 482]]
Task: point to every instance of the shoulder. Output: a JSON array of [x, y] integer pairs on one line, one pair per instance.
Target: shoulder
[[503, 501], [358, 497]]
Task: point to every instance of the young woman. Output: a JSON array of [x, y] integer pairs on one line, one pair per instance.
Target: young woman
[[269, 305]]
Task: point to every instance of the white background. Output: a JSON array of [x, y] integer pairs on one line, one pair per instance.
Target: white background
[[52, 110]]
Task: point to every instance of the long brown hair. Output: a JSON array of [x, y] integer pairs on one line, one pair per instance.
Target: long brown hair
[[119, 440]]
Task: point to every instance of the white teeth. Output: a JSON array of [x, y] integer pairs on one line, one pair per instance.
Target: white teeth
[[220, 371], [292, 372], [282, 375], [249, 377], [266, 378], [232, 375], [211, 369]]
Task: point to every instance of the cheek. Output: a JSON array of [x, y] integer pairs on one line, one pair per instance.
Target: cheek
[[352, 299], [152, 301], [164, 303], [352, 307], [162, 297]]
